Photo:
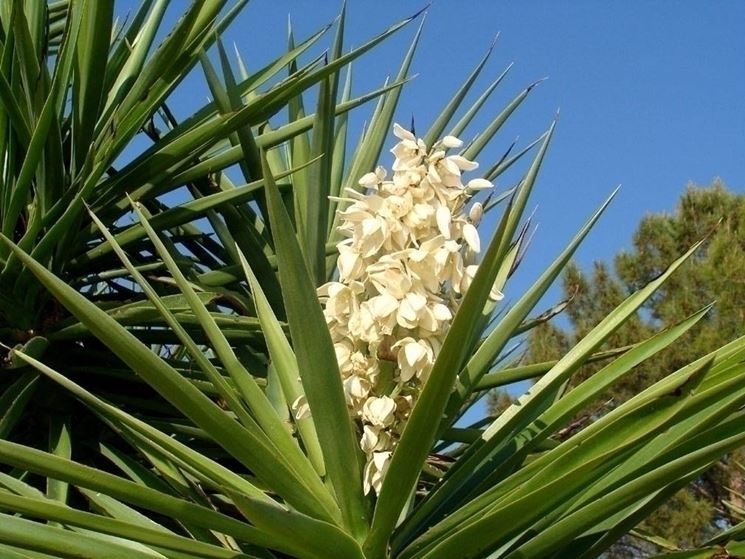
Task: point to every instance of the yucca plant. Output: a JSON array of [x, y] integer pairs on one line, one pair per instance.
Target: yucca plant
[[172, 387]]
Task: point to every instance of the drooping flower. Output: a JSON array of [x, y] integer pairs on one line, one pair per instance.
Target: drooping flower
[[375, 470]]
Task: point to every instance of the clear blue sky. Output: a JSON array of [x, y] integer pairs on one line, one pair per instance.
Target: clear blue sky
[[652, 94]]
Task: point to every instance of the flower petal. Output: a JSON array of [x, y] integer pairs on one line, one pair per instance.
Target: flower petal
[[479, 184], [451, 142], [369, 179], [401, 132], [443, 218], [463, 163], [471, 235]]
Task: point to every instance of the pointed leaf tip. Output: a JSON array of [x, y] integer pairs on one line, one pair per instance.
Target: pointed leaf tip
[[535, 83], [422, 12], [494, 41]]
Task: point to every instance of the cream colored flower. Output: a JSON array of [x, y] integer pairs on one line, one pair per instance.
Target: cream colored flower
[[379, 412], [415, 358], [443, 217], [451, 142], [375, 470], [479, 184], [372, 180], [389, 277], [374, 439], [350, 263], [356, 389]]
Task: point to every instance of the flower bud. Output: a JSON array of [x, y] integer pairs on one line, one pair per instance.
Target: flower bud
[[476, 213], [451, 142], [479, 184]]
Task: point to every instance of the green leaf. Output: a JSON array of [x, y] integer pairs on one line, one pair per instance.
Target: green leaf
[[544, 488], [52, 105], [38, 537], [261, 408], [319, 371], [207, 469], [574, 524], [568, 406], [285, 365], [89, 75], [256, 452], [14, 400], [305, 536], [461, 479], [473, 110], [371, 144], [495, 342], [138, 312], [319, 183], [510, 375], [475, 148], [443, 119], [420, 432], [60, 444], [48, 510], [127, 491]]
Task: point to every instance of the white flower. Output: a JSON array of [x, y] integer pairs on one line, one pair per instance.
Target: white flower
[[415, 358], [389, 276], [409, 151], [372, 236], [343, 351], [401, 132], [372, 180], [375, 470], [495, 294], [420, 216], [379, 412], [374, 439], [468, 274], [376, 318], [341, 299], [462, 163], [350, 263], [417, 310], [395, 207], [356, 389]]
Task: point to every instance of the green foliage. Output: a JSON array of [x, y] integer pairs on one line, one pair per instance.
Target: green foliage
[[713, 274], [158, 320]]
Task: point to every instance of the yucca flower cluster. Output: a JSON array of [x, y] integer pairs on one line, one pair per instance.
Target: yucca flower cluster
[[408, 257]]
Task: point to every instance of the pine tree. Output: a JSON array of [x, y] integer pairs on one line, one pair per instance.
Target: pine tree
[[715, 274]]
